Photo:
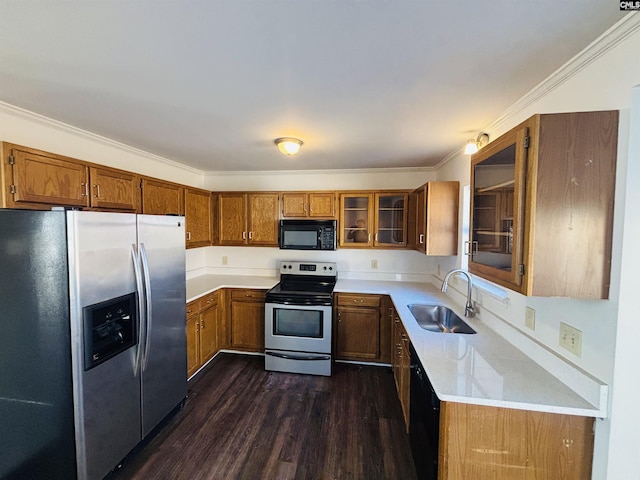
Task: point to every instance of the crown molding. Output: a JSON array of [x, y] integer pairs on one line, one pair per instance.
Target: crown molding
[[615, 35], [618, 33], [15, 111], [321, 172]]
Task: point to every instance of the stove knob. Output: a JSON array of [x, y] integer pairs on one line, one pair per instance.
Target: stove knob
[[290, 267], [330, 268], [325, 267]]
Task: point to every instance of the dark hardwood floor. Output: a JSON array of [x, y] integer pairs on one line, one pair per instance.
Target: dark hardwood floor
[[245, 423]]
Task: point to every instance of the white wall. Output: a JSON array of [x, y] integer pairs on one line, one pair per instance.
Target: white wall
[[601, 78], [31, 130], [352, 264], [623, 428], [373, 179]]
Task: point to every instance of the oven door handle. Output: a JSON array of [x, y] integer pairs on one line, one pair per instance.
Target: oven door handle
[[288, 356]]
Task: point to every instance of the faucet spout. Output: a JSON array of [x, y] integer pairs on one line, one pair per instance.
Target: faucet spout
[[469, 308]]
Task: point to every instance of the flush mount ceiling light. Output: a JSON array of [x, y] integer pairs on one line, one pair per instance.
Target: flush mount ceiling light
[[288, 145], [473, 146]]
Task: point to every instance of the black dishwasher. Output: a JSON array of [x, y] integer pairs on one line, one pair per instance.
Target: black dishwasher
[[424, 422]]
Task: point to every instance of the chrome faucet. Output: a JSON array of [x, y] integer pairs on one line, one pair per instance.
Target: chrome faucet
[[469, 308]]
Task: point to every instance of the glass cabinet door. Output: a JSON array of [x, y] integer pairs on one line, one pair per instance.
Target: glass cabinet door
[[497, 179], [391, 212], [356, 220]]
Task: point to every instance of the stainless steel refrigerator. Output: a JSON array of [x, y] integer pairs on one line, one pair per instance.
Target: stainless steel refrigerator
[[92, 337]]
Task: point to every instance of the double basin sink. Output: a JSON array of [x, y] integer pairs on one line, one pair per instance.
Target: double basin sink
[[438, 318]]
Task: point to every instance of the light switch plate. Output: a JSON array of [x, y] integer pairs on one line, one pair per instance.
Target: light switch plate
[[225, 260], [374, 264], [571, 339], [530, 318]]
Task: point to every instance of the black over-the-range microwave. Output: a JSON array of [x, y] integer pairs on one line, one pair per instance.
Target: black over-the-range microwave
[[307, 234]]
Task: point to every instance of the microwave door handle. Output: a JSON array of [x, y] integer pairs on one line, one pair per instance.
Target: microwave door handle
[[140, 307]]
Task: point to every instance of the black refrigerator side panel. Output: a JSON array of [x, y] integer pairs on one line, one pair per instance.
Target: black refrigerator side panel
[[36, 392]]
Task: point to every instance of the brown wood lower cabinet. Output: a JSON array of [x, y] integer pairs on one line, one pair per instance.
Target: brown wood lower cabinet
[[505, 444], [203, 319], [361, 332], [246, 320], [400, 363]]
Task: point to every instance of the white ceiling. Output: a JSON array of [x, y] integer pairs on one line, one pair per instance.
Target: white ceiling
[[211, 83]]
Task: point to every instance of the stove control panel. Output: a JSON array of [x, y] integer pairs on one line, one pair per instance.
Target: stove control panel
[[308, 268]]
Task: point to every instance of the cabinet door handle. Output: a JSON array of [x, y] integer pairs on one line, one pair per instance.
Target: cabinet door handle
[[188, 235], [421, 238], [85, 189], [97, 187], [244, 235], [250, 235], [202, 324], [369, 237], [376, 237], [304, 207], [470, 248]]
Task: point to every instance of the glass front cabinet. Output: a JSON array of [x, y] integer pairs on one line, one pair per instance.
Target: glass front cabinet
[[542, 200], [497, 204], [373, 219]]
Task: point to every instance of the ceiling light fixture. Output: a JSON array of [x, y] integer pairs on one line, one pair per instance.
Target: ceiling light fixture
[[473, 146], [288, 145]]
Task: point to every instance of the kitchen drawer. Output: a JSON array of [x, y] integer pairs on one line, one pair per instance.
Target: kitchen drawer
[[208, 300], [358, 300], [193, 307], [248, 295]]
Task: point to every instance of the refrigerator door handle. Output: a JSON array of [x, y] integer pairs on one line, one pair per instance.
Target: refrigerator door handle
[[147, 295], [141, 313]]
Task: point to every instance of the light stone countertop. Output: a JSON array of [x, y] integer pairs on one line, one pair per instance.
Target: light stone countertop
[[481, 368]]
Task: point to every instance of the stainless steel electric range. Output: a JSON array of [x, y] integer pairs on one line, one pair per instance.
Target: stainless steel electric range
[[298, 317]]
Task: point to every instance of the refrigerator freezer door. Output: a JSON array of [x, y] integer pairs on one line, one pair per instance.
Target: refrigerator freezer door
[[161, 243], [36, 394], [107, 397]]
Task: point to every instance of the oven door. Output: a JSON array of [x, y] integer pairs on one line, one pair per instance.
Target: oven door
[[298, 328]]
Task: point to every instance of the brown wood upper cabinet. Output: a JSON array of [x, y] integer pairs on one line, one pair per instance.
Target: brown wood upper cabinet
[[114, 189], [248, 219], [198, 217], [36, 179], [161, 198], [433, 218], [373, 219], [542, 205], [311, 204]]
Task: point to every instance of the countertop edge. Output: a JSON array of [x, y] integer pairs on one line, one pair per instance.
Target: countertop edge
[[210, 283]]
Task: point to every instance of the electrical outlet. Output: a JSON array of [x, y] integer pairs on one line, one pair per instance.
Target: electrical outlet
[[530, 318], [225, 260], [374, 264], [571, 339]]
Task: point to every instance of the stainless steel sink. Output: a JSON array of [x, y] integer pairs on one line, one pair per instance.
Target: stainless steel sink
[[438, 318]]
